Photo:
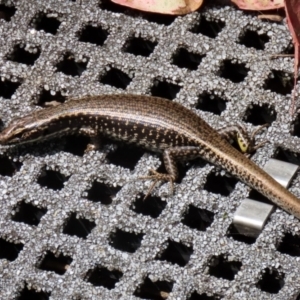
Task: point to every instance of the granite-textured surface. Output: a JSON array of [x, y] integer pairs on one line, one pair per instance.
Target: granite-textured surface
[[54, 233]]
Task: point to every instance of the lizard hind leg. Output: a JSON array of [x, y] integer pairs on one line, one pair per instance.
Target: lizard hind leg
[[254, 133], [245, 141]]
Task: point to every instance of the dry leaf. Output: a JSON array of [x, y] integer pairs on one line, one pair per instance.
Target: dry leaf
[[292, 9], [275, 18], [259, 4], [171, 7]]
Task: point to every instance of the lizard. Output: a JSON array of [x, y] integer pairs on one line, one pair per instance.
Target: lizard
[[157, 124]]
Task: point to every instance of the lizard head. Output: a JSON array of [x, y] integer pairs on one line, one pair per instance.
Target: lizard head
[[19, 131], [35, 127]]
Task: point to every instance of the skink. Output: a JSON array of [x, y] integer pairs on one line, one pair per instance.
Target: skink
[[156, 124]]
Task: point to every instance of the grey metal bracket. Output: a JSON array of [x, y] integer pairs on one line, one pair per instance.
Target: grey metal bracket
[[251, 216]]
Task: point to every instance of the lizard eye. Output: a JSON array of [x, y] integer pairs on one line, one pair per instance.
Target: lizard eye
[[18, 131]]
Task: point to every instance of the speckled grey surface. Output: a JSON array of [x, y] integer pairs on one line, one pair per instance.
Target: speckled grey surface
[[96, 250]]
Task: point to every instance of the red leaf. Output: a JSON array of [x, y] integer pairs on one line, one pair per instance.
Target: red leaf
[[292, 9], [172, 7], [259, 4]]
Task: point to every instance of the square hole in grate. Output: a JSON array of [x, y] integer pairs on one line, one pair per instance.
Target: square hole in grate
[[125, 156], [151, 206], [290, 244], [46, 97], [79, 227], [234, 234], [220, 267], [255, 195], [69, 66], [287, 156], [101, 192], [235, 72], [176, 253], [9, 250], [156, 290], [279, 82], [101, 276], [290, 49], [52, 179], [23, 56], [9, 167], [115, 77], [125, 241], [272, 281], [58, 264], [93, 34], [251, 38], [211, 103], [210, 28], [28, 213], [151, 17], [296, 129], [219, 184], [162, 19], [164, 89], [8, 88], [44, 22], [197, 218], [139, 46], [6, 12], [260, 114], [183, 58], [113, 7], [32, 294], [204, 296], [76, 144]]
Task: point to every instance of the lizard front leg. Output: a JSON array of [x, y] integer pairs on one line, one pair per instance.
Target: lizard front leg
[[94, 143], [170, 156]]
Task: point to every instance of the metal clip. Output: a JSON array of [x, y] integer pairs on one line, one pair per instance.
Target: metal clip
[[251, 216]]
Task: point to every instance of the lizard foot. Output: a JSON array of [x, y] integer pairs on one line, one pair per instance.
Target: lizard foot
[[255, 132], [91, 147], [157, 177]]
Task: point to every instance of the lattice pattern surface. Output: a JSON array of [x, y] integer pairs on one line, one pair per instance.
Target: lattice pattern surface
[[73, 224]]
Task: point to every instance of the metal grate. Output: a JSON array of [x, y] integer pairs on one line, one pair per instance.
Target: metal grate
[[73, 224]]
